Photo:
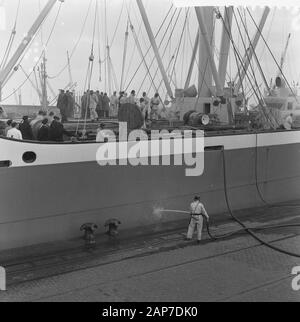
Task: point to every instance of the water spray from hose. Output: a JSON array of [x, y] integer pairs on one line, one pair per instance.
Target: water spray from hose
[[158, 212]]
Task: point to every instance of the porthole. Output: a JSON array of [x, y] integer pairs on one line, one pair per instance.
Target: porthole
[[29, 157]]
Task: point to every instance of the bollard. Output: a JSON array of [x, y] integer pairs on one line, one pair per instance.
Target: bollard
[[113, 225], [89, 233]]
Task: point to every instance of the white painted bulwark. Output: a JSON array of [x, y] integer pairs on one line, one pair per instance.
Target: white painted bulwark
[[50, 154]]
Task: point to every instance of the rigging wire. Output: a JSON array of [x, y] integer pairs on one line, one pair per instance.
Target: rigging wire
[[124, 55], [105, 44], [132, 55], [180, 41], [128, 7], [255, 55], [137, 15], [74, 48], [274, 58], [266, 114], [267, 37], [40, 57], [149, 48], [118, 23], [134, 46], [141, 63], [205, 68], [239, 60], [99, 45], [159, 46], [141, 53], [170, 45], [115, 80], [172, 58], [90, 69], [244, 84], [164, 52], [184, 50], [76, 44], [249, 43], [11, 39], [203, 73]]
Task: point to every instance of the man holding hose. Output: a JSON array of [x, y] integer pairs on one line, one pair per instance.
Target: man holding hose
[[197, 213]]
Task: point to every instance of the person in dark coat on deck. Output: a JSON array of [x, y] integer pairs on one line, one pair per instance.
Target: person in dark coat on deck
[[99, 108], [70, 100], [62, 105], [85, 111], [106, 105], [60, 99], [57, 131], [43, 133], [26, 129]]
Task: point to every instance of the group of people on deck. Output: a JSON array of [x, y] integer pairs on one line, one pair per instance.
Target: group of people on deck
[[66, 105], [44, 127], [96, 105]]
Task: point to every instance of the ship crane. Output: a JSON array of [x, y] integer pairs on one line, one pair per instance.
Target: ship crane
[[9, 67], [283, 56]]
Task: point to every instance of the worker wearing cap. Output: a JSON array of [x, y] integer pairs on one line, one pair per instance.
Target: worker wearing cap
[[197, 213]]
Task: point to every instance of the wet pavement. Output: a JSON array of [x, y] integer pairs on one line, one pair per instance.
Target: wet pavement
[[158, 265]]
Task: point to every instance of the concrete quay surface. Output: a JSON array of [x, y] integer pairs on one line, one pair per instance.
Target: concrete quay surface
[[160, 266]]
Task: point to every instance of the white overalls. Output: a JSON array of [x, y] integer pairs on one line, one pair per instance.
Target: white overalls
[[197, 209]]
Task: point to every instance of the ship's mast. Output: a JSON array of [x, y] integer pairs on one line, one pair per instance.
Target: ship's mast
[[6, 71], [207, 65], [109, 71], [44, 84], [124, 56], [204, 69], [192, 63], [283, 56], [154, 47], [225, 44], [69, 69]]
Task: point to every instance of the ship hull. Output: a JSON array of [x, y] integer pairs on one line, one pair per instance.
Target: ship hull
[[50, 200]]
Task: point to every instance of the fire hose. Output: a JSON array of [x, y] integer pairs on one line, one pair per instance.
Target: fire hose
[[244, 228], [217, 237]]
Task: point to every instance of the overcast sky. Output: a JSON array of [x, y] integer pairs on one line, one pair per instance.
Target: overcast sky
[[69, 25]]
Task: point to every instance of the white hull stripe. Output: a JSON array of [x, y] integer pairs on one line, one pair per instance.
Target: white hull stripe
[[74, 153]]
